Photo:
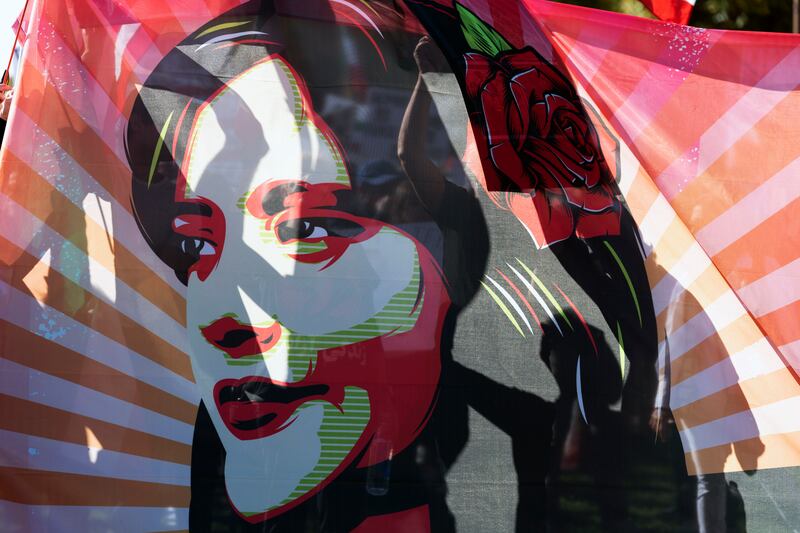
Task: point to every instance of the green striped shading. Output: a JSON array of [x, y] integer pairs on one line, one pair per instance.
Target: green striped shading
[[338, 434], [398, 316]]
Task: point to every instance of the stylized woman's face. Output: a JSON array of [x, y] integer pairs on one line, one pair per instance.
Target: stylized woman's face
[[292, 301]]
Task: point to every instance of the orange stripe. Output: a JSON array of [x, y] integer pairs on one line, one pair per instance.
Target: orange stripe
[[50, 287], [766, 451], [37, 487], [667, 251], [782, 325], [731, 339], [744, 396], [47, 204], [641, 195], [692, 300], [66, 364], [43, 103], [771, 245], [32, 418], [755, 158]]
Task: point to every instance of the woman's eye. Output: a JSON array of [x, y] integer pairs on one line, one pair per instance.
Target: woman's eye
[[313, 232], [317, 228], [196, 247]]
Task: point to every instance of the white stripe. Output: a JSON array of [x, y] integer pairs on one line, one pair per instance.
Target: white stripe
[[513, 303], [655, 223], [124, 36], [25, 312], [70, 519], [142, 63], [629, 169], [537, 296], [20, 226], [756, 360], [773, 419], [682, 274], [360, 12], [579, 389], [45, 157], [722, 312], [37, 453], [29, 384], [775, 290], [228, 37], [763, 202]]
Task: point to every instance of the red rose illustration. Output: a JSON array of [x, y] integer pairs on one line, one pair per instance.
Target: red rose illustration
[[538, 145]]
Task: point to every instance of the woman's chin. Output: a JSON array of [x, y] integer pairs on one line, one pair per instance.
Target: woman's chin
[[267, 476], [264, 474]]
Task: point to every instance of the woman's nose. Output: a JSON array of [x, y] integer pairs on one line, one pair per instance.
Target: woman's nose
[[238, 339]]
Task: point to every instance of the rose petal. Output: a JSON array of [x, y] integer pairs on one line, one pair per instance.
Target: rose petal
[[495, 104], [538, 120], [594, 200], [476, 156], [568, 171], [546, 217], [528, 58], [558, 104], [518, 119], [506, 159], [539, 151], [609, 144], [593, 178], [550, 172], [597, 224], [479, 69]]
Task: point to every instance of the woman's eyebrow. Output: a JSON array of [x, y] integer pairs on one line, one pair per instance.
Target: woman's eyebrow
[[300, 195], [274, 201]]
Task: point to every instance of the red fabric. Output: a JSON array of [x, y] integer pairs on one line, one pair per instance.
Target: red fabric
[[415, 519], [670, 10]]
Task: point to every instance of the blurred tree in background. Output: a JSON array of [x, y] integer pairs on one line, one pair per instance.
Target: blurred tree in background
[[755, 15], [758, 15]]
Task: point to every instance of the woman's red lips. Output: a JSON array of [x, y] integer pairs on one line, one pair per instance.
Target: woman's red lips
[[239, 340], [256, 407]]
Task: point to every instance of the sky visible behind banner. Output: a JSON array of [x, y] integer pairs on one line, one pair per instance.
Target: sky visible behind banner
[[8, 15]]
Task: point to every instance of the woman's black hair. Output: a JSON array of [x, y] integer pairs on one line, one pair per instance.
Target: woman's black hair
[[341, 65]]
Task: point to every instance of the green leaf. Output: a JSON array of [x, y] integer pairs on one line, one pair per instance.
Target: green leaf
[[479, 35]]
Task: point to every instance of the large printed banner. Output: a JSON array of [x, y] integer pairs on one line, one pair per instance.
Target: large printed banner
[[431, 265]]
